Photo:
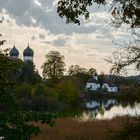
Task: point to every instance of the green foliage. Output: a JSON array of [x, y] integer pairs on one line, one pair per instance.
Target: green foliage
[[29, 74], [39, 90], [76, 69], [127, 11], [81, 73], [101, 78], [74, 8], [67, 92], [53, 68], [14, 123], [23, 90], [16, 126]]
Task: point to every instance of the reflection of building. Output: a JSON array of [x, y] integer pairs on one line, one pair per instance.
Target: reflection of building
[[27, 53], [100, 107], [92, 105]]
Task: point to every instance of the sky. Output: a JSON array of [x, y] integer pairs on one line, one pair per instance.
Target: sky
[[36, 22]]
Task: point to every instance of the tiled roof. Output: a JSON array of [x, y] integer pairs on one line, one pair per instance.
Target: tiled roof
[[92, 80]]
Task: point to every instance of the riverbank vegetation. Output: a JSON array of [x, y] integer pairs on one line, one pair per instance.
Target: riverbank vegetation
[[118, 128]]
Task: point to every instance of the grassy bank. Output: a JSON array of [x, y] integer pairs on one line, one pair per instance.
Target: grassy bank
[[69, 129]]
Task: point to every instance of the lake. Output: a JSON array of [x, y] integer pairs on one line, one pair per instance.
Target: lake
[[107, 109]]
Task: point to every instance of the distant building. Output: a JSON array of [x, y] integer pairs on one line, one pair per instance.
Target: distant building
[[28, 53], [14, 53], [109, 87], [93, 83]]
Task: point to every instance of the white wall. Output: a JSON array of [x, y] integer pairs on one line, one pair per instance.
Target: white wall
[[92, 86], [26, 58], [110, 89]]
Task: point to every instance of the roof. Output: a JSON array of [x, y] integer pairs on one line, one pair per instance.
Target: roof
[[92, 80], [111, 85], [14, 52], [28, 52]]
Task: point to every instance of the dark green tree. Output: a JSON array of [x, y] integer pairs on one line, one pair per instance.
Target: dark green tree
[[123, 11], [29, 73], [92, 71], [53, 67], [14, 122], [76, 69]]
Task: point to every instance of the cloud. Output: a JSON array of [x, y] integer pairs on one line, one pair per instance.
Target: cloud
[[41, 36], [59, 42], [37, 22], [43, 13]]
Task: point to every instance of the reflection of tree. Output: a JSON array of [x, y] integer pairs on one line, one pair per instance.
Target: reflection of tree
[[102, 110]]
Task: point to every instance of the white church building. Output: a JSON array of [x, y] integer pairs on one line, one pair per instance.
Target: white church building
[[93, 85], [109, 87]]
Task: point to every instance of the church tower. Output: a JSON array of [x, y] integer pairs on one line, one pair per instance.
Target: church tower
[[14, 53], [28, 54]]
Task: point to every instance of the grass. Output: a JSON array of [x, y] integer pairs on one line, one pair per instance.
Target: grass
[[70, 129]]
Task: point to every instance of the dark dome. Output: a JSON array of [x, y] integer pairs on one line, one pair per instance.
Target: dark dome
[[28, 52], [14, 52]]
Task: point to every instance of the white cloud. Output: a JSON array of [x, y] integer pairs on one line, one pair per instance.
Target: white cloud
[[37, 22]]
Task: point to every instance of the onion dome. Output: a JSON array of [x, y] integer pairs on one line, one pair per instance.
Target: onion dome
[[28, 52], [14, 52]]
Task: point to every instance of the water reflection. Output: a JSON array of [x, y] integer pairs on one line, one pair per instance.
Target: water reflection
[[107, 109]]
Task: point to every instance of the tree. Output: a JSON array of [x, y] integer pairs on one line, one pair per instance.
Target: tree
[[1, 41], [14, 122], [53, 67], [92, 71], [29, 74], [126, 55], [67, 92], [75, 70], [101, 78], [123, 11]]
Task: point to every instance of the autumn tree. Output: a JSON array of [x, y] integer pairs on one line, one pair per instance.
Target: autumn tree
[[54, 65], [122, 11]]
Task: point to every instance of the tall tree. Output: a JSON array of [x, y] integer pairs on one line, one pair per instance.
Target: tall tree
[[76, 69], [54, 65], [123, 11], [92, 71], [14, 122], [124, 56]]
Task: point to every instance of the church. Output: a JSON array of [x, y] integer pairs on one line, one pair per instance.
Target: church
[[28, 53]]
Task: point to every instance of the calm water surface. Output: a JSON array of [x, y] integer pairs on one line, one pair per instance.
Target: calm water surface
[[108, 109]]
